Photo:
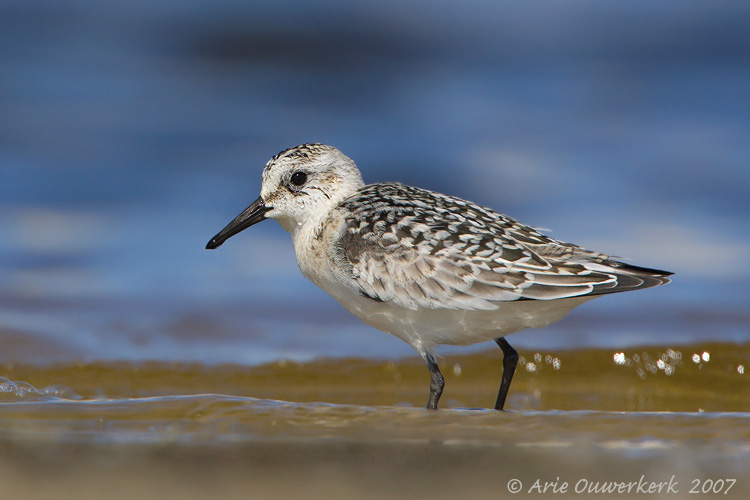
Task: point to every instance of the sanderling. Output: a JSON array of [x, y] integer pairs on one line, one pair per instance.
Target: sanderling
[[426, 267]]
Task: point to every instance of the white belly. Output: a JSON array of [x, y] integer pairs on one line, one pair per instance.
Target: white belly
[[426, 328]]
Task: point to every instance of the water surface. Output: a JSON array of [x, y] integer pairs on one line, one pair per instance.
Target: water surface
[[337, 428]]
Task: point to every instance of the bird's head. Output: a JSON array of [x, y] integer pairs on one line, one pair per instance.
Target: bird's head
[[299, 184]]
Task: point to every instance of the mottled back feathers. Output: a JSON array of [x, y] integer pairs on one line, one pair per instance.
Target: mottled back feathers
[[420, 249]]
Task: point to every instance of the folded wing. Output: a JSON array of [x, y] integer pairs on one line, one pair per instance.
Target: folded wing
[[419, 249]]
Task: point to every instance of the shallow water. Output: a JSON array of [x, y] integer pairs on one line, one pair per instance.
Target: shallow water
[[344, 452], [252, 443], [693, 378], [342, 427]]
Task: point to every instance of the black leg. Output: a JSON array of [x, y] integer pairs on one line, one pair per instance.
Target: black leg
[[436, 381], [510, 358]]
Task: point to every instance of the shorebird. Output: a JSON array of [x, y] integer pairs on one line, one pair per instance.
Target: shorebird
[[429, 268]]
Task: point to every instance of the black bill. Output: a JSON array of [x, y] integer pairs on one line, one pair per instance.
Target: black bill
[[251, 215]]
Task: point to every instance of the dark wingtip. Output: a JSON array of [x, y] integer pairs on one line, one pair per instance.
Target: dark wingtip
[[641, 277], [213, 244], [630, 277], [642, 270]]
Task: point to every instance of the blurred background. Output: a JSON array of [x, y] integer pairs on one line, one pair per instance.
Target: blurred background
[[132, 360], [132, 132]]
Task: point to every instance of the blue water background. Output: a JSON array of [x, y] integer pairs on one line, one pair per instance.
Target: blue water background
[[132, 132]]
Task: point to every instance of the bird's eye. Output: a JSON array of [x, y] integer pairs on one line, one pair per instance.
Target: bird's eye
[[298, 178]]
